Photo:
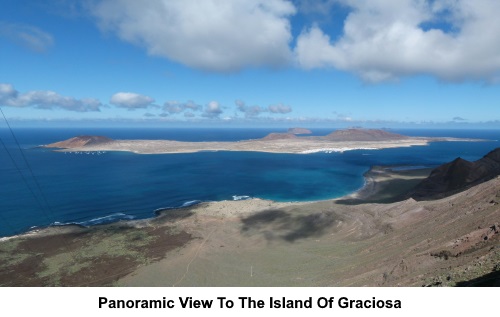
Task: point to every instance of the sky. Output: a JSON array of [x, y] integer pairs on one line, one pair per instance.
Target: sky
[[323, 63]]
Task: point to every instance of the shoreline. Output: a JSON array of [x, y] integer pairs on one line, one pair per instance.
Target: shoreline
[[319, 243], [286, 143], [292, 146], [399, 179], [371, 191]]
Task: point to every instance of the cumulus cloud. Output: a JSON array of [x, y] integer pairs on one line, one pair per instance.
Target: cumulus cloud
[[211, 35], [7, 92], [27, 36], [44, 99], [174, 107], [212, 110], [131, 101], [254, 111], [453, 40], [249, 111], [459, 119], [280, 108]]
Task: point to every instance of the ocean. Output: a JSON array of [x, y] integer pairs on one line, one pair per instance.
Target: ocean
[[88, 189]]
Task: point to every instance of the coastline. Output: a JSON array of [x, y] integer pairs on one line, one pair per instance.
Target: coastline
[[318, 243], [386, 184], [338, 141], [292, 146], [376, 180]]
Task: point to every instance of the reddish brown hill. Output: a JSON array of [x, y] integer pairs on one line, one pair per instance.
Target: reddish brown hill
[[457, 176], [363, 135], [279, 136], [80, 141], [299, 131]]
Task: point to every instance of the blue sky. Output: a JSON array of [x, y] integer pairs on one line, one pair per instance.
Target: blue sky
[[329, 63]]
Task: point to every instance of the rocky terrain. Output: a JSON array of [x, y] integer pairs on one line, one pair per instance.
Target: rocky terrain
[[457, 176]]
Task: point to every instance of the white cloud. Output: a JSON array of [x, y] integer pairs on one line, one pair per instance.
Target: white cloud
[[212, 110], [279, 108], [7, 92], [192, 106], [131, 101], [43, 99], [254, 111], [174, 107], [385, 40], [28, 36], [211, 35], [249, 111]]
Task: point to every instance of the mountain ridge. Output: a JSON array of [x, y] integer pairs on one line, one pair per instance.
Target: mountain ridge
[[456, 176]]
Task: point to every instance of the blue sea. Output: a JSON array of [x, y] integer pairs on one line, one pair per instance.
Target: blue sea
[[55, 188]]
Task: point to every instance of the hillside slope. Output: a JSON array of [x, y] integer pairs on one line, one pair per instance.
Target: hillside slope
[[456, 176], [80, 141]]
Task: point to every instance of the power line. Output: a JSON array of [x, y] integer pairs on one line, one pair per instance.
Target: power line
[[29, 168], [27, 185]]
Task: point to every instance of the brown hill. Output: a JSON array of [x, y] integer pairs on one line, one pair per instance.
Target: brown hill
[[457, 176], [279, 136], [363, 135], [80, 141], [299, 131]]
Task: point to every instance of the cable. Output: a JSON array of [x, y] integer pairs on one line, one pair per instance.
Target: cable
[[24, 179], [29, 167]]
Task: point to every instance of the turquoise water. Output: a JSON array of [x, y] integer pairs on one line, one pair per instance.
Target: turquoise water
[[92, 189]]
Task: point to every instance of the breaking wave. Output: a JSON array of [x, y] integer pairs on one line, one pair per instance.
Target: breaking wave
[[186, 204], [242, 197], [97, 221]]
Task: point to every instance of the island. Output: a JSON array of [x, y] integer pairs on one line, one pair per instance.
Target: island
[[337, 141], [299, 131]]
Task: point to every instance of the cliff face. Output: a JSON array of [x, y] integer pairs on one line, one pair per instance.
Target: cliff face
[[363, 135], [80, 141], [457, 176]]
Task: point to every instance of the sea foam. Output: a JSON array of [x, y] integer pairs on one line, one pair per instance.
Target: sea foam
[[242, 197], [97, 221], [337, 150]]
